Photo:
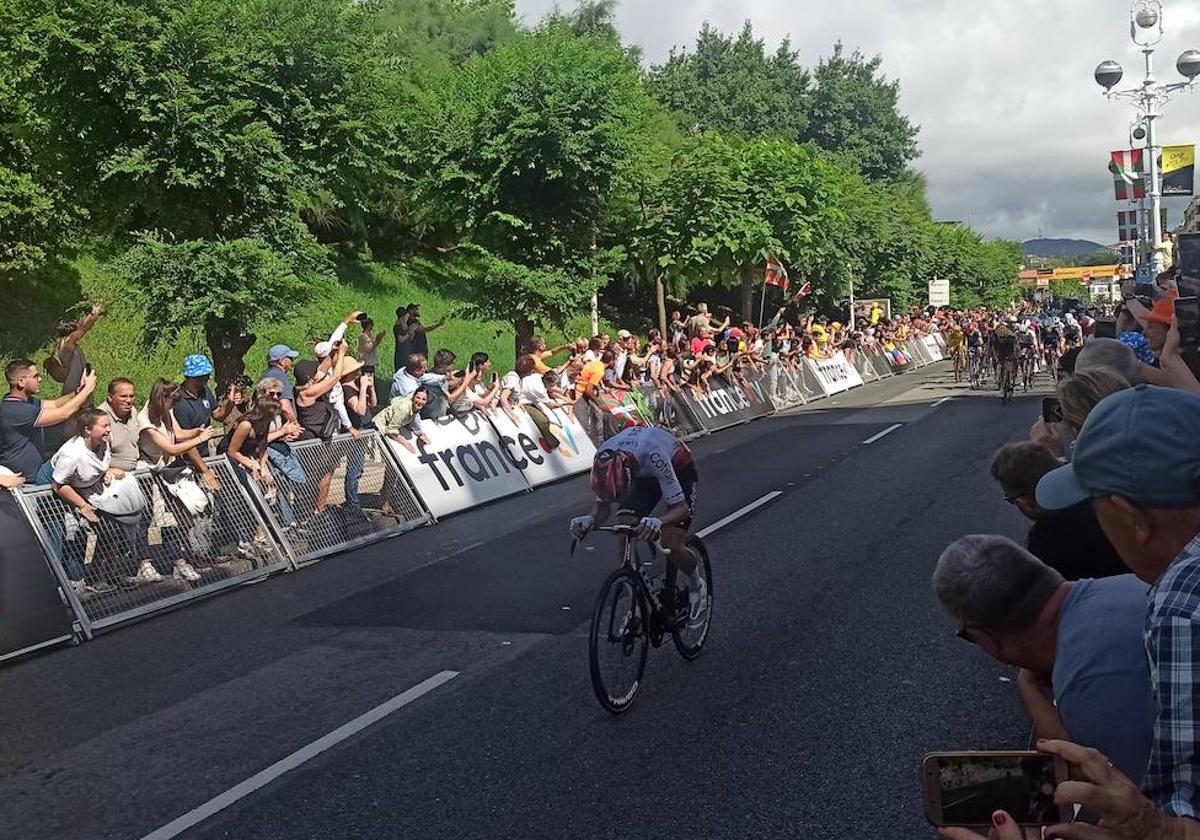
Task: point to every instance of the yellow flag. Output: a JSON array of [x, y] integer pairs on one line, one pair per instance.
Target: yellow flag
[[1178, 169]]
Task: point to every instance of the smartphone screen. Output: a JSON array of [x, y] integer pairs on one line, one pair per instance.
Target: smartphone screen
[[966, 788], [1051, 410], [1187, 313], [1105, 329]]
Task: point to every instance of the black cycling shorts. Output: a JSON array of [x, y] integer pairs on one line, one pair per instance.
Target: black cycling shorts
[[645, 494]]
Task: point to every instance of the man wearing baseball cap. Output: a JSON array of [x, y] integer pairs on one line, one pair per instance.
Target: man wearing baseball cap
[[279, 362], [1137, 459]]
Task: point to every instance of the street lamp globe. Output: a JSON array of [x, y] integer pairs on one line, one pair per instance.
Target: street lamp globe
[[1188, 64], [1146, 17], [1109, 74]]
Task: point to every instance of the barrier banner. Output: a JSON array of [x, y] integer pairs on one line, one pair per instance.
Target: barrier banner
[[726, 404], [32, 615], [834, 374], [533, 455], [671, 410], [862, 363], [464, 465], [933, 348], [784, 386]]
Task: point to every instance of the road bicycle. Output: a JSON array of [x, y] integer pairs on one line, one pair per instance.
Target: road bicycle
[[1006, 378], [1052, 361], [960, 362], [1027, 367], [977, 368], [634, 612]]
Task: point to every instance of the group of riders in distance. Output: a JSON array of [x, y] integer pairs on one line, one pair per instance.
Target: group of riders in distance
[[1010, 349]]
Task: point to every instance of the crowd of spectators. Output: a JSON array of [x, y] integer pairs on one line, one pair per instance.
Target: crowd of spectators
[[1100, 609]]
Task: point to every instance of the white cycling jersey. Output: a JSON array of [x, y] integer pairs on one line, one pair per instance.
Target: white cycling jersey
[[654, 449]]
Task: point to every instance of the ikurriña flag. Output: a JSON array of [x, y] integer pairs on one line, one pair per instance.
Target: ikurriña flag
[[1126, 167], [776, 274]]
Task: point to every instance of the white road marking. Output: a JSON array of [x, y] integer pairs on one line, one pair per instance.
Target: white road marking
[[738, 514], [299, 757], [882, 434], [942, 400]]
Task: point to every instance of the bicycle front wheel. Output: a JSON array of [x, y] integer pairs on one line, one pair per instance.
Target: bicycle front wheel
[[619, 640], [690, 637]]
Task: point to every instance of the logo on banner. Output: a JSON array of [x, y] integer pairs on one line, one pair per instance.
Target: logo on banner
[[724, 401], [481, 460], [567, 447], [832, 371]]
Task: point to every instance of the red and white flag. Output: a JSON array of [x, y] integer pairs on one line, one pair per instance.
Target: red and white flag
[[776, 274], [1126, 168], [804, 292]]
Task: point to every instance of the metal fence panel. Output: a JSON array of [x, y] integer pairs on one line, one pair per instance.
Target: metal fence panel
[[670, 410], [862, 363], [783, 386], [123, 569], [332, 496], [809, 383]]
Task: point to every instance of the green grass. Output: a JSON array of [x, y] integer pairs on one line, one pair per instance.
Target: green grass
[[27, 329]]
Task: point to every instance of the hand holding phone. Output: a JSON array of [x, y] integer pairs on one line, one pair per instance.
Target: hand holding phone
[[966, 788], [1051, 410]]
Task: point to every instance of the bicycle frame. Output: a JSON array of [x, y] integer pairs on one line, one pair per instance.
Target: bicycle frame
[[632, 560]]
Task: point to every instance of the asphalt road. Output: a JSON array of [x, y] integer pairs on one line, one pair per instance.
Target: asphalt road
[[829, 672]]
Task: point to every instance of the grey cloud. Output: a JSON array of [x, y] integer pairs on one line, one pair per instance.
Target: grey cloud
[[1015, 134]]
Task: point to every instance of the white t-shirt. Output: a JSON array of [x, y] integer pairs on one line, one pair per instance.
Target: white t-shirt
[[77, 465], [533, 390]]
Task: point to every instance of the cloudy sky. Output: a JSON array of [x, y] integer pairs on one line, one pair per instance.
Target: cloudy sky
[[1015, 133]]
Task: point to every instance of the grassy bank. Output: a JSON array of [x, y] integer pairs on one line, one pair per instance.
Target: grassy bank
[[27, 323]]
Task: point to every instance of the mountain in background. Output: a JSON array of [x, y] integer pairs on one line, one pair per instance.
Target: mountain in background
[[1061, 247]]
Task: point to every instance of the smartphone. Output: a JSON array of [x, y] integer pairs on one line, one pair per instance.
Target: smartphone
[[1105, 329], [1051, 410], [965, 788], [87, 368], [1144, 290], [362, 316], [1187, 313]]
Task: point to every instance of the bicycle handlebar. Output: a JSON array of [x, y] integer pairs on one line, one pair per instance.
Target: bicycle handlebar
[[627, 530]]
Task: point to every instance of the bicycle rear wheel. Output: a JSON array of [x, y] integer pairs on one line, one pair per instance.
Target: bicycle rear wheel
[[619, 640], [689, 638]]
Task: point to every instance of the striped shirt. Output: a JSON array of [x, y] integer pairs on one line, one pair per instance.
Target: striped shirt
[[1172, 637]]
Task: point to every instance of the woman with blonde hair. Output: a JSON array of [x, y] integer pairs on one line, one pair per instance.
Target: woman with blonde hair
[[1082, 391]]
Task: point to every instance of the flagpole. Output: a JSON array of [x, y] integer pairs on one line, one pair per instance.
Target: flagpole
[[762, 306]]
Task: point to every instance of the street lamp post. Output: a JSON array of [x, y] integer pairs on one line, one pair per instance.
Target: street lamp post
[[1146, 30]]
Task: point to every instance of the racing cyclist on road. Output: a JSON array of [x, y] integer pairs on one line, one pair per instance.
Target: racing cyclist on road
[[636, 469], [1004, 351], [975, 347]]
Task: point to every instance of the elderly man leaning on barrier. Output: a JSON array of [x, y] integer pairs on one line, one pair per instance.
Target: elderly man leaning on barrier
[[1083, 638], [126, 428], [1137, 460]]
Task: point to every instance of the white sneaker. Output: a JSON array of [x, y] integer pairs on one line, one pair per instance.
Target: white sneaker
[[78, 587], [147, 573], [697, 601], [185, 571]]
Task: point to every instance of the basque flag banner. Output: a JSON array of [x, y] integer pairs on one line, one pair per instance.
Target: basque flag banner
[[804, 292], [1126, 167], [1127, 226], [776, 274]]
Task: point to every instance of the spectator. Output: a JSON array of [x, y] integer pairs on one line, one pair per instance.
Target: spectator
[[251, 436], [280, 359], [1083, 638], [239, 399], [411, 334], [1069, 541], [401, 419], [413, 375], [1080, 393], [317, 417], [677, 330], [161, 441], [123, 437], [596, 418], [537, 349], [534, 398], [83, 476], [1138, 462], [368, 345], [702, 320], [357, 391], [455, 385], [196, 407], [67, 362], [476, 396], [23, 417]]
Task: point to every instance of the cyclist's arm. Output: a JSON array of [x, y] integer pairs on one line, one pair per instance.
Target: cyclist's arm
[[672, 491]]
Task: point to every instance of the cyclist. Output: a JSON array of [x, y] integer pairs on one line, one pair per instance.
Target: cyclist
[[1027, 344], [1052, 340], [636, 469], [955, 347], [1072, 332], [1004, 351], [975, 348]]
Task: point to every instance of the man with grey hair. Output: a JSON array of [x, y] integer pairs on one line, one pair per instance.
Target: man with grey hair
[[1113, 356], [1079, 644]]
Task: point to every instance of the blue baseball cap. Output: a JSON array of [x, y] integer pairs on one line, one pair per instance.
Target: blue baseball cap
[[196, 365], [281, 351], [1142, 444]]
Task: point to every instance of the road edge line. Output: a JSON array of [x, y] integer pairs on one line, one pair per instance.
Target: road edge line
[[738, 514]]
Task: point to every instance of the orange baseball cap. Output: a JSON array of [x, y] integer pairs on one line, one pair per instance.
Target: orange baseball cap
[[1163, 312]]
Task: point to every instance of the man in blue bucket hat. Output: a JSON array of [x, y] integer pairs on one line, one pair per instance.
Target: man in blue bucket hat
[[1137, 459], [196, 407]]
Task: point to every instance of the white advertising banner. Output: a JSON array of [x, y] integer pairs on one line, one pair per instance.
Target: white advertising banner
[[464, 465], [835, 374], [532, 453], [939, 292], [935, 351]]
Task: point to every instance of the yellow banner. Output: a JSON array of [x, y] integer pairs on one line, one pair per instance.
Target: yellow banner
[[1178, 169]]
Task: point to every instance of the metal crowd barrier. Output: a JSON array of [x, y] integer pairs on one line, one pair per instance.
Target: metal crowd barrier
[[97, 566], [334, 495], [861, 360], [672, 411], [783, 385]]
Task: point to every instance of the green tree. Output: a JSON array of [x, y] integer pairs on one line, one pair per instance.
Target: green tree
[[429, 37], [525, 159], [731, 84], [854, 112]]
